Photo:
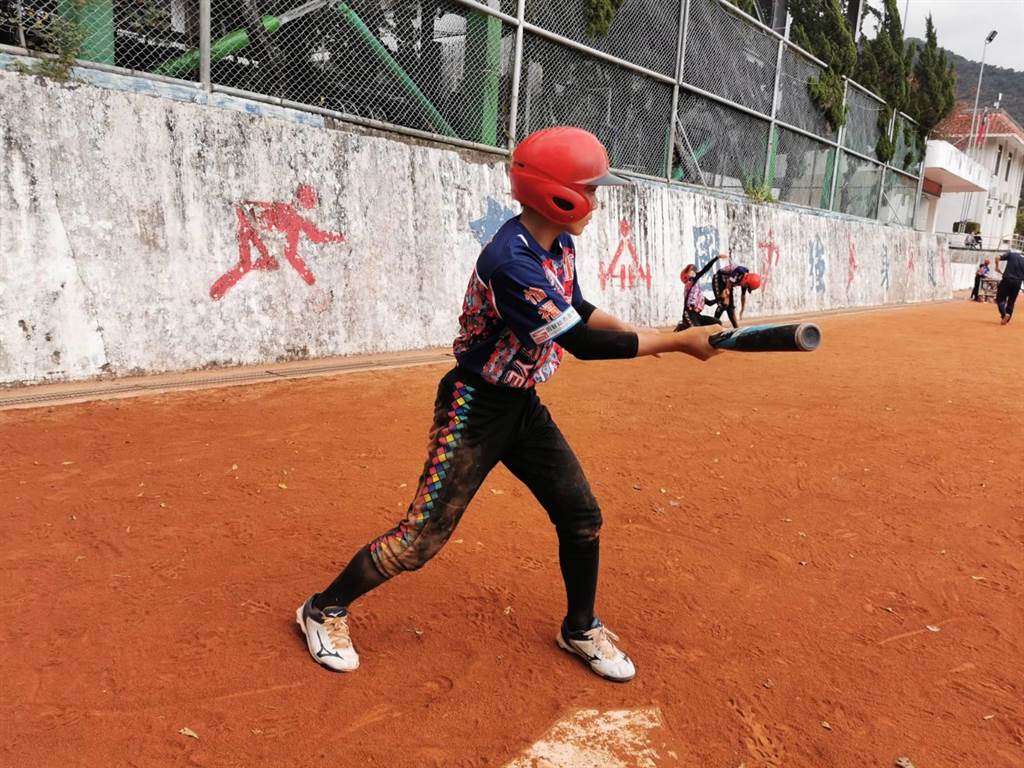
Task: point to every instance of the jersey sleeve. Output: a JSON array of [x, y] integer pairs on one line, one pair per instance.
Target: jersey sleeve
[[530, 307]]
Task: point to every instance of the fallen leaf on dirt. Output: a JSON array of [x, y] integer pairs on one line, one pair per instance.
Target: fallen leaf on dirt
[[932, 628], [904, 762], [826, 725], [508, 610], [768, 684], [673, 503], [978, 578], [988, 717], [636, 486], [234, 466], [66, 463], [497, 491], [282, 486], [186, 731]]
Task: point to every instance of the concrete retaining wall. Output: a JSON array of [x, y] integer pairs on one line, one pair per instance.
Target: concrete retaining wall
[[143, 234]]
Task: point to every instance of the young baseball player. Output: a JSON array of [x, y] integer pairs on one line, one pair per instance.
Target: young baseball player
[[981, 272], [724, 283], [694, 297], [522, 308], [1010, 284]]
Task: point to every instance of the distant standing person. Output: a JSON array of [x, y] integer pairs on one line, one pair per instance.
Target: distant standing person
[[725, 281], [981, 272], [694, 296], [1010, 284]]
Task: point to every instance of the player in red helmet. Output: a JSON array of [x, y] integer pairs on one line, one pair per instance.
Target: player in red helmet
[[725, 281], [523, 307]]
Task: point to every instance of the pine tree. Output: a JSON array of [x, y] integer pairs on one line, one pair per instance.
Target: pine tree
[[933, 90], [884, 67], [820, 26]]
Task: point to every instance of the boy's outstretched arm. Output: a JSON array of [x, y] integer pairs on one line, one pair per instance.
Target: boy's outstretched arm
[[588, 343]]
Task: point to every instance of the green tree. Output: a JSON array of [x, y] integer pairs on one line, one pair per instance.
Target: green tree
[[600, 15], [820, 26], [884, 66], [933, 89]]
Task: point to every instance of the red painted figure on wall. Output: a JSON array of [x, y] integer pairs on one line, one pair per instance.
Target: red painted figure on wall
[[628, 274], [279, 217], [771, 258], [851, 264]]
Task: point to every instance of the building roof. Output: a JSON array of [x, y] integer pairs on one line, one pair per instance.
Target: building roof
[[957, 127]]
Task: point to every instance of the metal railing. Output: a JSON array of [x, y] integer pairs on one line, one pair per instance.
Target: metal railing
[[687, 91]]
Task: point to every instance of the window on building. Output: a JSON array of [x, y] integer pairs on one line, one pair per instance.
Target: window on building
[[1009, 162], [999, 157]]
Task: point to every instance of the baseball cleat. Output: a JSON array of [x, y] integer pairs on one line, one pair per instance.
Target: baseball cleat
[[596, 647], [327, 636]]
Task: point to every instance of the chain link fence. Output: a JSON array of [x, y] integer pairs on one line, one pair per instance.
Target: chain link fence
[[861, 132], [801, 169], [898, 199], [716, 146], [743, 117], [644, 32], [728, 56], [135, 35], [858, 185], [628, 112], [795, 105]]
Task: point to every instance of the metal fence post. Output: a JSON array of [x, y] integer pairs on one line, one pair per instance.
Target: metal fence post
[[840, 137], [885, 167], [769, 158], [684, 18], [517, 73], [204, 44]]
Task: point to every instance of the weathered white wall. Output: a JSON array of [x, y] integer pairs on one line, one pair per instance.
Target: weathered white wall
[[118, 214]]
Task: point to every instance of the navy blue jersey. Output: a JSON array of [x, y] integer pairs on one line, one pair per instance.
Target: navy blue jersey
[[1014, 265], [520, 298]]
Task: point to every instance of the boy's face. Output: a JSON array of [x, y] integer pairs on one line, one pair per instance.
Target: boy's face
[[577, 227]]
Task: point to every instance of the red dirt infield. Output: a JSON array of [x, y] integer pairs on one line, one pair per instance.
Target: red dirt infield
[[781, 530]]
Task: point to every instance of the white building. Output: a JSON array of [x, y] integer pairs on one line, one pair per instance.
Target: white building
[[1001, 153]]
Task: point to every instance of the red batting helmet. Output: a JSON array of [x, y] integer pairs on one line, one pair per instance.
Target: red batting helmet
[[552, 168], [751, 281]]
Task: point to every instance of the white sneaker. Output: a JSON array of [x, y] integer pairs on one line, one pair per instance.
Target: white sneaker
[[595, 646], [327, 636]]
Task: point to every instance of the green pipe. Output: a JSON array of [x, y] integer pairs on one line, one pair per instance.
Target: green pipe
[[698, 154], [384, 56], [95, 20], [223, 47], [826, 189], [483, 33]]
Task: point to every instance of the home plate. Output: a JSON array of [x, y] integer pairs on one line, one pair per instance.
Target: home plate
[[619, 738]]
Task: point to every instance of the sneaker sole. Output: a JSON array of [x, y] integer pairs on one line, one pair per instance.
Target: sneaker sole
[[586, 660], [305, 636]]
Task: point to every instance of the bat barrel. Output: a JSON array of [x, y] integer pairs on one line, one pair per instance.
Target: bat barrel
[[796, 337], [807, 337]]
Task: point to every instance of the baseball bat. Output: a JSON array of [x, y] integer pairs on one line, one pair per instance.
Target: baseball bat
[[798, 337]]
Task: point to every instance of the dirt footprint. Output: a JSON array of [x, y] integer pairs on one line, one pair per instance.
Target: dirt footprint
[[765, 751]]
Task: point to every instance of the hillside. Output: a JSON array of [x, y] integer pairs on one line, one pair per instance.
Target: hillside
[[1009, 82]]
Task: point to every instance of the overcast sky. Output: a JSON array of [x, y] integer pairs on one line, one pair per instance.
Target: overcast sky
[[963, 24]]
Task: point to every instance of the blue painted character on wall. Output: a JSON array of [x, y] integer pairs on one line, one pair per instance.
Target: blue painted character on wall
[[885, 267], [706, 246], [483, 229], [931, 268], [818, 266]]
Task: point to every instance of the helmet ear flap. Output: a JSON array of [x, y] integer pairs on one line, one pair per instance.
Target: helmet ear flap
[[572, 205]]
